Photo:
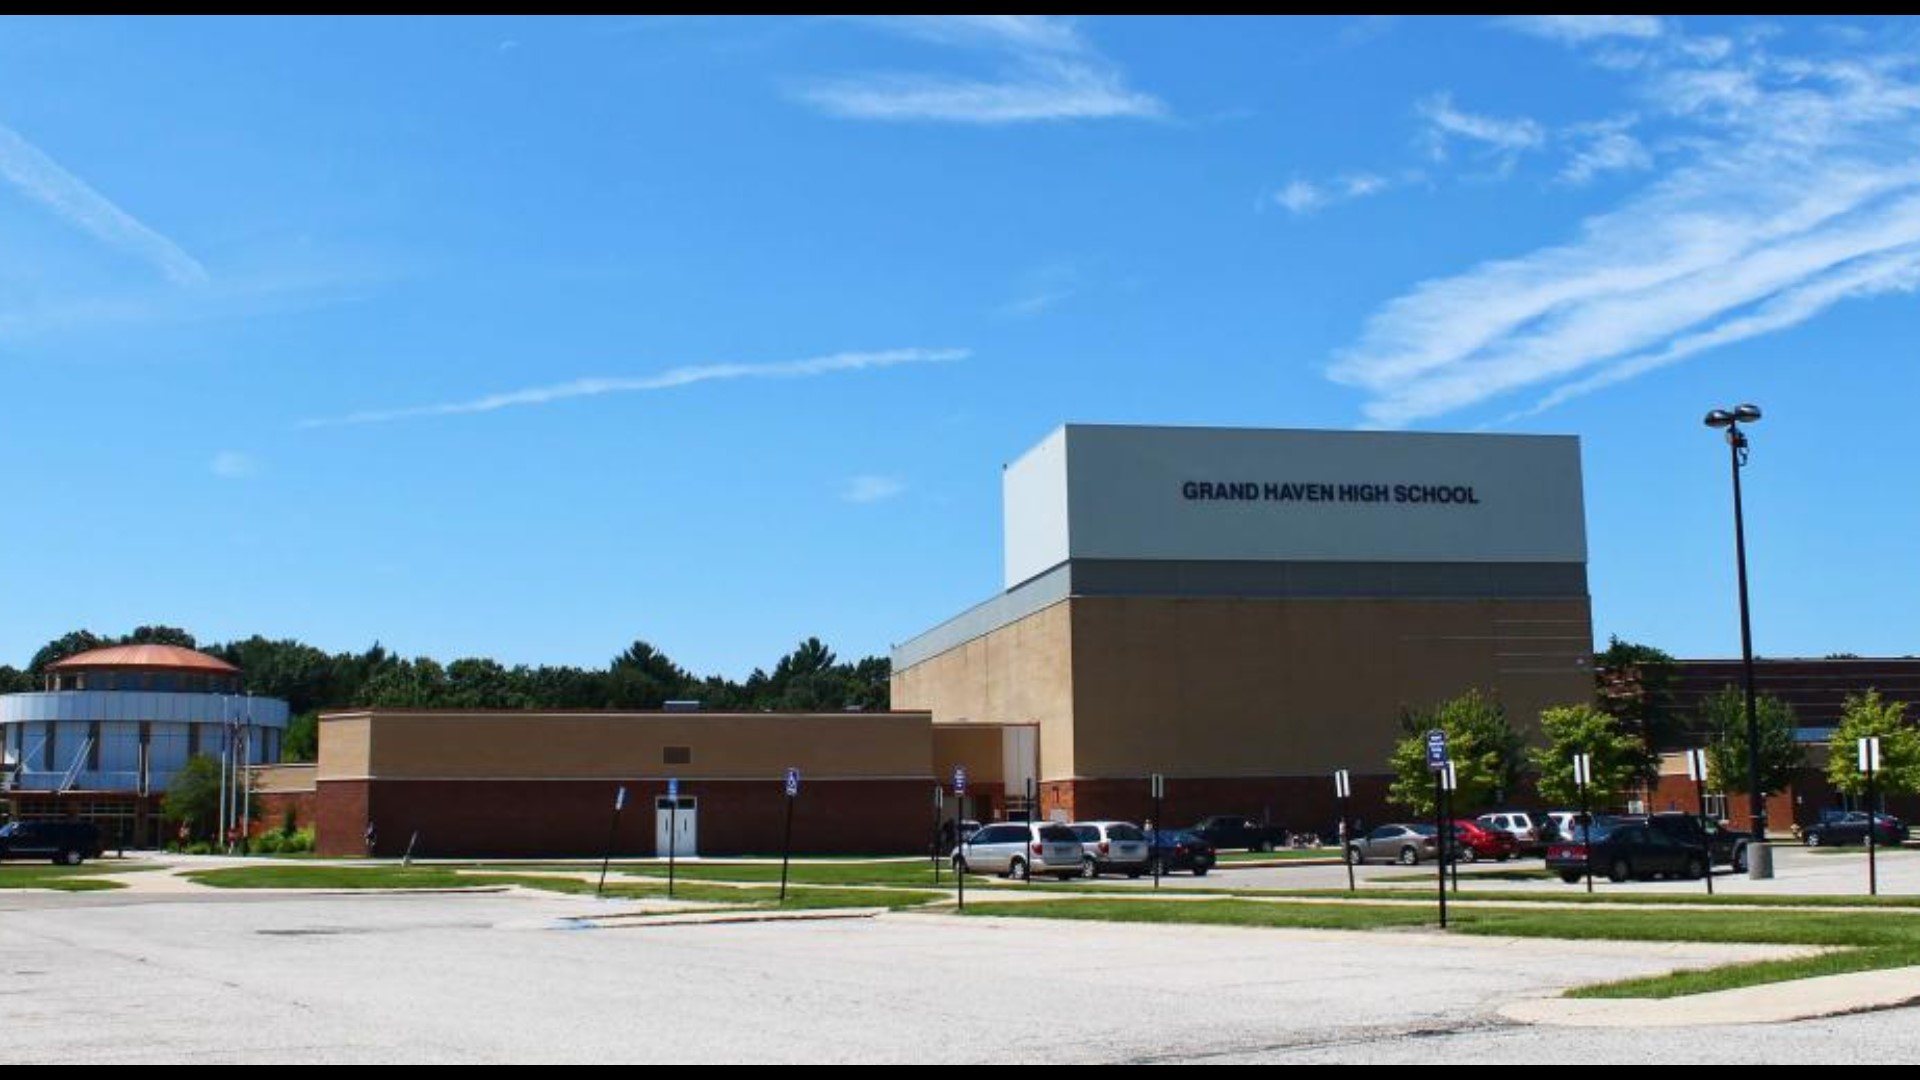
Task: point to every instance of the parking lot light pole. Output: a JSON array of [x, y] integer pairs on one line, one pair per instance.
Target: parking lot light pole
[[1759, 856]]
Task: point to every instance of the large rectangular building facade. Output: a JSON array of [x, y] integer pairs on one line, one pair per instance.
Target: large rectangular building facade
[[1245, 611], [464, 783]]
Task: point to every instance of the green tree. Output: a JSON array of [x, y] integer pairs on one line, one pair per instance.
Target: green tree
[[1483, 746], [301, 743], [194, 797], [1870, 714], [1617, 755], [1724, 716], [1634, 684]]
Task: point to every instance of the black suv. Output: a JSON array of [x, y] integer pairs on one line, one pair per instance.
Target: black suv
[[68, 843], [1725, 846]]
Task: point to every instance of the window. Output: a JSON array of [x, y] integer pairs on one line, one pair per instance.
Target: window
[[679, 755]]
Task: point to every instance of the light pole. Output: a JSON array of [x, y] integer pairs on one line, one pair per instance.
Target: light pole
[[1762, 865]]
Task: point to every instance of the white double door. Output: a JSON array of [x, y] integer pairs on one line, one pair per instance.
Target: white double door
[[676, 829]]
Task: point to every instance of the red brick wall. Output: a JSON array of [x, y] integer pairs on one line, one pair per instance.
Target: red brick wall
[[272, 809], [508, 818]]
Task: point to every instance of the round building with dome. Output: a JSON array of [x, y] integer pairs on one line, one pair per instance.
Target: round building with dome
[[113, 726]]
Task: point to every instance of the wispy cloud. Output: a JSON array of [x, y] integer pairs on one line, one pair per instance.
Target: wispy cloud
[[1304, 197], [1580, 29], [1042, 289], [1502, 138], [235, 465], [1825, 161], [1606, 147], [41, 179], [872, 489], [1044, 70], [666, 380]]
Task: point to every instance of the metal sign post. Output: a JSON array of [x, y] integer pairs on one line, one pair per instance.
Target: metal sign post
[[613, 830], [959, 812], [1449, 854], [1159, 790], [792, 786], [1697, 772], [1870, 764], [673, 829], [1343, 793], [1437, 764], [1582, 776]]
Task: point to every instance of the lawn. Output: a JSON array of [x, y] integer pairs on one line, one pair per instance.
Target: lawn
[[436, 877], [84, 878], [1865, 943]]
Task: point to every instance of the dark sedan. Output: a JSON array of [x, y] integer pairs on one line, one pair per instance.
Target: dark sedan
[[1625, 851], [1850, 827], [1178, 849]]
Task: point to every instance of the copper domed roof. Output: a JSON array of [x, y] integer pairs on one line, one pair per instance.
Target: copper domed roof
[[144, 657]]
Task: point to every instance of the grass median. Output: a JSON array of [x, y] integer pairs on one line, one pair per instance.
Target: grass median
[[435, 878], [84, 878], [1860, 943]]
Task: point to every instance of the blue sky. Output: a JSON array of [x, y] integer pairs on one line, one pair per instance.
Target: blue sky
[[527, 338]]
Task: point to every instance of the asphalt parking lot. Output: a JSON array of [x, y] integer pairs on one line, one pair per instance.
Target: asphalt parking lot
[[506, 978]]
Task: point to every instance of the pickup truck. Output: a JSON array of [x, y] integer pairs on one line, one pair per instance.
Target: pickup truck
[[1233, 831]]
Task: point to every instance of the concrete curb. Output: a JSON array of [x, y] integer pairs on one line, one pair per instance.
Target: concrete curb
[[721, 918], [1799, 999]]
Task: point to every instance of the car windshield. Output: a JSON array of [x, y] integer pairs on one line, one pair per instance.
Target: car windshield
[[9, 828]]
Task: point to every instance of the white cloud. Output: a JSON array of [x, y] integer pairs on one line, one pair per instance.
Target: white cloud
[[872, 489], [1045, 71], [1304, 197], [666, 380], [41, 179], [1605, 148], [1798, 187], [235, 465], [1580, 29], [1505, 138]]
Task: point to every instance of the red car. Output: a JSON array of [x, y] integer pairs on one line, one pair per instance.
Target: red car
[[1474, 841]]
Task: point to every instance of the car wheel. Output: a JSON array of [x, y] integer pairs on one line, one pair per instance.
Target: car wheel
[[1813, 838], [1621, 870], [1089, 868], [1409, 857], [1570, 877], [1354, 856], [1199, 871], [71, 858], [1467, 854], [1696, 868], [1159, 867], [1740, 859], [959, 865], [1133, 875], [1018, 871], [1262, 846]]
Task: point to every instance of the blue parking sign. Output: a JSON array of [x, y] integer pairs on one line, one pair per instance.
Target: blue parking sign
[[1436, 750]]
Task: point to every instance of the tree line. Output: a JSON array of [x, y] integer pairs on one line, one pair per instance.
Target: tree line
[[1631, 718], [809, 678]]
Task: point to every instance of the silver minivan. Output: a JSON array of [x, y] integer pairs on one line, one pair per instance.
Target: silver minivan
[[1018, 849], [1111, 846]]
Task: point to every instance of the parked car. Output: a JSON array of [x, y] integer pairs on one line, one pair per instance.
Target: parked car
[[1111, 846], [1472, 841], [1850, 827], [1020, 849], [1180, 849], [1233, 831], [1520, 823], [1726, 846], [1404, 844], [1624, 850], [967, 828], [1557, 825], [68, 843]]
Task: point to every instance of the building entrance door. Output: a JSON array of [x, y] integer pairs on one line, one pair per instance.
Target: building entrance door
[[676, 829]]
